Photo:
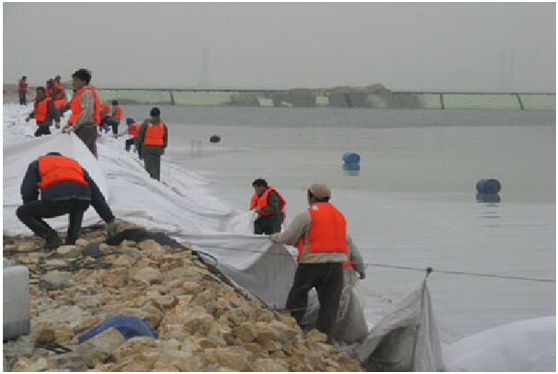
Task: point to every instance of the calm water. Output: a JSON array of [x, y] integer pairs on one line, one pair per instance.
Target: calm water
[[413, 201]]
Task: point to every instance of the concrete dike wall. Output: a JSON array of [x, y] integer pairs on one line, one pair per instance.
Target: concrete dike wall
[[306, 98]]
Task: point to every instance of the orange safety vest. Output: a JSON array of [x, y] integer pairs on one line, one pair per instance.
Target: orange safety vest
[[60, 93], [75, 105], [154, 133], [41, 109], [21, 86], [53, 168], [59, 103], [261, 201], [59, 86], [118, 114], [133, 129], [328, 230]]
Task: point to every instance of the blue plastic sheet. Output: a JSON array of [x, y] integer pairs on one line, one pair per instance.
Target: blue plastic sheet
[[128, 326]]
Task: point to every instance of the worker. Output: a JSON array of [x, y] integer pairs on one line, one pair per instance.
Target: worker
[[270, 207], [58, 93], [65, 188], [49, 86], [151, 142], [115, 117], [133, 129], [105, 114], [85, 107], [44, 113], [22, 90], [320, 234]]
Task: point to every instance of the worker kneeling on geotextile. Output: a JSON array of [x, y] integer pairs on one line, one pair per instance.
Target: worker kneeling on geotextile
[[65, 188]]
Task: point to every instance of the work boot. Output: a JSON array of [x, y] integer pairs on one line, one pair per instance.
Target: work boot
[[52, 243]]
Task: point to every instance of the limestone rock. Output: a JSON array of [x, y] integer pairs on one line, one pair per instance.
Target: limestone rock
[[147, 275], [33, 364], [266, 364], [68, 251], [44, 333], [55, 280], [316, 336], [97, 349], [150, 245]]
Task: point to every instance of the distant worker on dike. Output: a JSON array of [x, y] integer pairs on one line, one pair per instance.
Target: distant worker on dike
[[270, 207], [49, 87], [105, 115], [86, 114], [321, 237], [115, 117], [58, 93], [133, 129], [65, 188], [44, 112], [151, 142], [22, 90]]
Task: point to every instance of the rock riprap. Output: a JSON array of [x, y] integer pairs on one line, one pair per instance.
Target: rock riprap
[[203, 324]]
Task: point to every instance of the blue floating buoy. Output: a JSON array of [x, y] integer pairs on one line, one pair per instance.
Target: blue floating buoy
[[351, 158], [488, 186]]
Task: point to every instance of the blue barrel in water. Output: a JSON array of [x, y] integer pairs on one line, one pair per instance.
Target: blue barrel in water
[[488, 186], [351, 158]]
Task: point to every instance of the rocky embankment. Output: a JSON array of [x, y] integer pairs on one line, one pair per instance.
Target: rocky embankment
[[203, 324]]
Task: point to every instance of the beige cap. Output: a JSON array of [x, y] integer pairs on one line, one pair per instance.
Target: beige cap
[[320, 190]]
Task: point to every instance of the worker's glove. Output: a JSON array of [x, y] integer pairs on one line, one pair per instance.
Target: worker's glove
[[57, 124], [111, 228], [68, 129], [362, 275], [27, 119]]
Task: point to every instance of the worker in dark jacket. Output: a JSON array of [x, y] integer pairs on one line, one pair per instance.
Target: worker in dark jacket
[[65, 188], [44, 112], [151, 142], [270, 207]]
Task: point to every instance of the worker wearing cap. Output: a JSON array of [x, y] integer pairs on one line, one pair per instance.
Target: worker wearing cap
[[320, 234]]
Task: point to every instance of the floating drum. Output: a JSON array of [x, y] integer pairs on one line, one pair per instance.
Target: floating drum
[[214, 139], [488, 186], [351, 158]]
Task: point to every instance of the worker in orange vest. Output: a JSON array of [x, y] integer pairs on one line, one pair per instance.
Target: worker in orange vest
[[320, 234], [58, 93], [115, 117], [86, 114], [105, 115], [151, 142], [270, 207], [64, 188], [133, 129], [22, 90], [44, 113]]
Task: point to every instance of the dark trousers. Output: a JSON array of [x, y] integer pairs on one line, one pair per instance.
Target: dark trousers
[[42, 130], [114, 124], [129, 143], [22, 98], [33, 212], [88, 135], [327, 278], [267, 226]]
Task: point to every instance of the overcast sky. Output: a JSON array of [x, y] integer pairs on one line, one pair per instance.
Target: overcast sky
[[475, 47]]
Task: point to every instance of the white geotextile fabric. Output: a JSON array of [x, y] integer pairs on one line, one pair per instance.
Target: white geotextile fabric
[[17, 157], [406, 338], [261, 267], [528, 345]]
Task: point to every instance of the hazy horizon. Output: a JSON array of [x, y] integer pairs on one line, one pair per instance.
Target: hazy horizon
[[458, 47]]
